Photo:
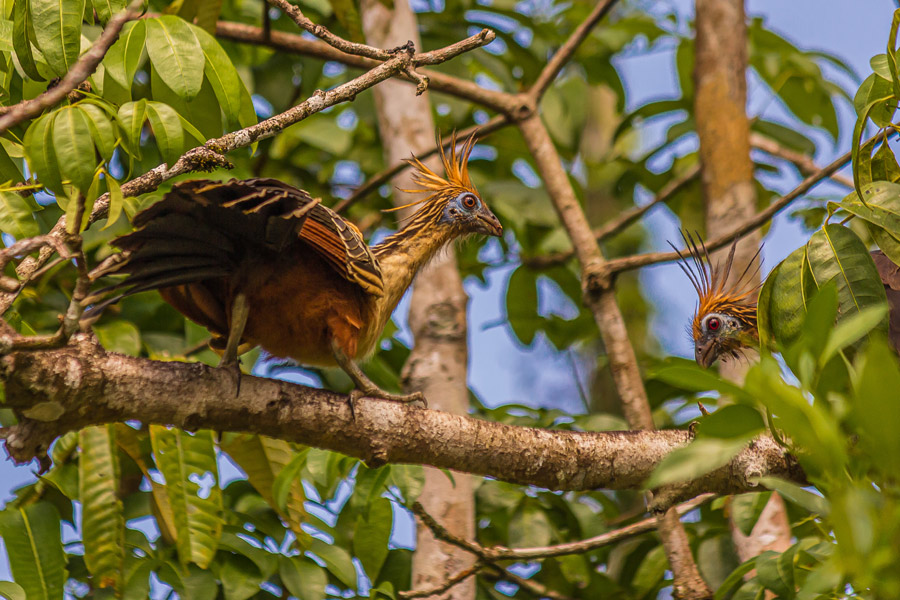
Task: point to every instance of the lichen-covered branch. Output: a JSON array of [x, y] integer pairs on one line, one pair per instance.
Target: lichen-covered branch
[[56, 391]]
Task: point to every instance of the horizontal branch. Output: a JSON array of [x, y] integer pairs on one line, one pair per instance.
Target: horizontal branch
[[297, 44], [56, 391]]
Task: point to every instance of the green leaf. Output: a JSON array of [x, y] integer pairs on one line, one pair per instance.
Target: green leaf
[[782, 301], [372, 534], [131, 117], [348, 15], [9, 170], [529, 525], [746, 508], [848, 331], [40, 154], [836, 253], [207, 14], [691, 377], [72, 139], [223, 77], [409, 479], [697, 458], [103, 521], [302, 577], [176, 55], [119, 336], [240, 577], [182, 459], [12, 591], [102, 131], [107, 8], [733, 421], [337, 561], [273, 469], [116, 201], [17, 215], [522, 304], [57, 31], [22, 24], [771, 572], [124, 57], [167, 130], [877, 407], [35, 552]]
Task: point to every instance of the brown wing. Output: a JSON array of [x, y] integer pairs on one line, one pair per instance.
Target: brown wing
[[203, 229]]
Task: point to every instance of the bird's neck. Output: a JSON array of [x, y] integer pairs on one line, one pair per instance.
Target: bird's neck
[[402, 254]]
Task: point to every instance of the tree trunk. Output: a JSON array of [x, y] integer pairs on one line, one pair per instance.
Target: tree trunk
[[720, 78], [437, 365]]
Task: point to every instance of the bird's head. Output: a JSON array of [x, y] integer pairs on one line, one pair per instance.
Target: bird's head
[[452, 201], [725, 321]]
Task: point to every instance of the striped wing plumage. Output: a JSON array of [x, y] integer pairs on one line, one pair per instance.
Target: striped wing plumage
[[202, 230]]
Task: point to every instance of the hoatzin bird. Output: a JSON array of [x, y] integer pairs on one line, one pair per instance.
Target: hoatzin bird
[[261, 263], [725, 322]]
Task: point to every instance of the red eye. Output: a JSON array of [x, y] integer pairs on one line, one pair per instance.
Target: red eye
[[470, 201], [713, 324]]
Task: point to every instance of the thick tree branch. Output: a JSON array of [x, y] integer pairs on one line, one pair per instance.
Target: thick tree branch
[[56, 391], [83, 68]]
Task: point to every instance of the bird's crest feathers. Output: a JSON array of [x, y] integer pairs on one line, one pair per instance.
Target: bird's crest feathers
[[456, 166], [714, 293]]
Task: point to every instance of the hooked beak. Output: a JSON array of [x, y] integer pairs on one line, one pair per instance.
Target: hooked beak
[[488, 224], [705, 353]]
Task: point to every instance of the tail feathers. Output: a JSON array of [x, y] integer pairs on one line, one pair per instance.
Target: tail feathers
[[155, 281]]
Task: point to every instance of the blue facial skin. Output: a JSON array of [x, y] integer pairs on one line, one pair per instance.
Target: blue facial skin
[[468, 211]]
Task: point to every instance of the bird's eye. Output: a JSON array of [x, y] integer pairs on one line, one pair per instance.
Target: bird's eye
[[470, 201], [713, 324]]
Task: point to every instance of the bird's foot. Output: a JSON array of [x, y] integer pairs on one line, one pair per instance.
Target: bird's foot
[[376, 392], [233, 368]]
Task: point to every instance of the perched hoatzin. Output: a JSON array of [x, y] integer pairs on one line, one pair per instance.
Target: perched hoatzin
[[725, 322], [261, 263]]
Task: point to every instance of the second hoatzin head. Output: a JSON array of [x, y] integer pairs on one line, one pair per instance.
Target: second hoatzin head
[[725, 321], [261, 263]]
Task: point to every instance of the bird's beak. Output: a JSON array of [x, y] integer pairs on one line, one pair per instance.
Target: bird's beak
[[705, 353], [488, 224]]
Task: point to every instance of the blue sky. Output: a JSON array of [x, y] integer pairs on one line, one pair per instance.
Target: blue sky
[[501, 371]]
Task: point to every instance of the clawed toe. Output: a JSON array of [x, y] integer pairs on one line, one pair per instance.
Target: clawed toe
[[233, 368]]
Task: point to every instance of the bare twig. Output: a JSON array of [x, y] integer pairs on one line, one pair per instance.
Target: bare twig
[[443, 587], [81, 70], [565, 52], [297, 16], [804, 163], [616, 225], [641, 260]]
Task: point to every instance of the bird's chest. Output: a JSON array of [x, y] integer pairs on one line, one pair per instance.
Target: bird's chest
[[298, 304]]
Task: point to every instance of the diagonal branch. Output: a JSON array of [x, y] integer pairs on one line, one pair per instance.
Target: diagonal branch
[[565, 52], [297, 16], [83, 68]]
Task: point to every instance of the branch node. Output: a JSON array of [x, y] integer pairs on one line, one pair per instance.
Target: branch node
[[409, 47]]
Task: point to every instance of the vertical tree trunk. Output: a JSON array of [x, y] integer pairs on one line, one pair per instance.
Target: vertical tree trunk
[[437, 365], [720, 78]]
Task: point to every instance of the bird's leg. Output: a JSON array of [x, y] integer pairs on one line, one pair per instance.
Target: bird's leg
[[238, 320], [365, 387]]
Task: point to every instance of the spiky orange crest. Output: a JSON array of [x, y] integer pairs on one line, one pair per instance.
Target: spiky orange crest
[[456, 167], [714, 294]]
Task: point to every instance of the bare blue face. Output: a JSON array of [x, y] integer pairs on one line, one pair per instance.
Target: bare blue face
[[468, 212]]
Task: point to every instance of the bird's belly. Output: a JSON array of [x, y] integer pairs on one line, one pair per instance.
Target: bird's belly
[[298, 307]]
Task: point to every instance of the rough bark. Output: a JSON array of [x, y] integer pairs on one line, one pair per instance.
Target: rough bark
[[727, 177], [56, 391], [437, 365]]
